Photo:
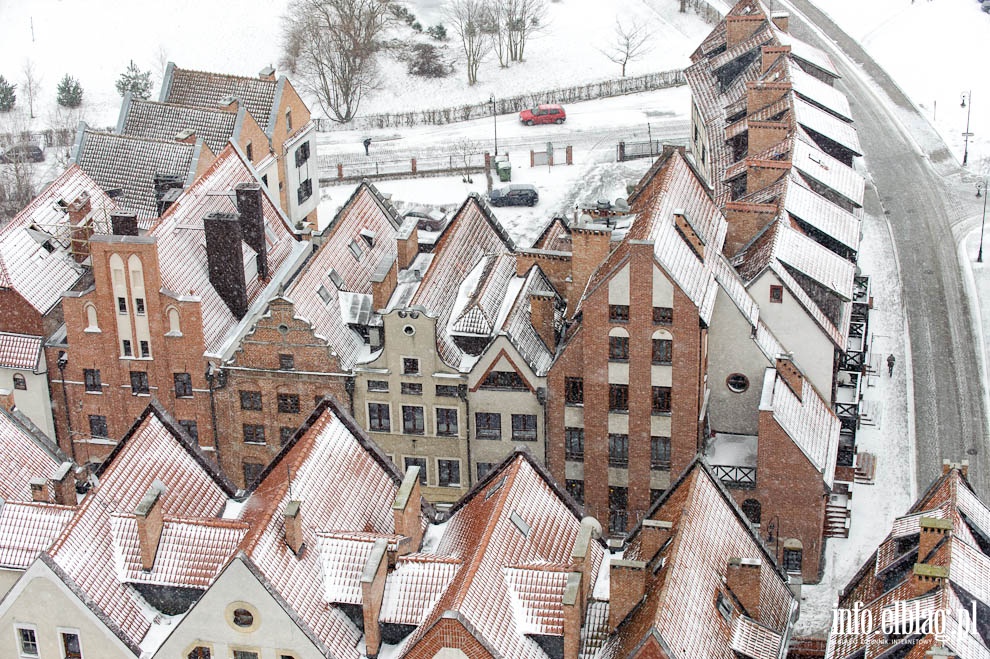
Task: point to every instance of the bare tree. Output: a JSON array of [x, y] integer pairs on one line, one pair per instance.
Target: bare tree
[[331, 45], [468, 19], [32, 84], [524, 18], [495, 27], [683, 6], [17, 179], [630, 43]]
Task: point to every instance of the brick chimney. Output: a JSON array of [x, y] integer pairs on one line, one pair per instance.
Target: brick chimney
[[186, 136], [684, 227], [791, 375], [124, 223], [406, 509], [781, 19], [150, 524], [372, 591], [590, 245], [963, 467], [765, 134], [653, 534], [79, 208], [933, 529], [764, 173], [627, 587], [541, 312], [226, 260], [739, 28], [292, 517], [581, 554], [742, 576], [770, 55], [745, 221], [383, 281], [573, 614], [39, 490], [64, 481], [228, 103], [252, 219], [267, 73], [407, 243], [760, 94], [79, 235], [924, 578]]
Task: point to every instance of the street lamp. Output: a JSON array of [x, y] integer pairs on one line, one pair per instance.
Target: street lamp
[[494, 121], [969, 109], [981, 190]]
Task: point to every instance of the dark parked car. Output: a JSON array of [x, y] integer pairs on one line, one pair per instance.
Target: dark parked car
[[518, 194], [543, 114], [22, 153]]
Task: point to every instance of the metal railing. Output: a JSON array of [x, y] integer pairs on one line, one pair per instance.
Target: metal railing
[[733, 476]]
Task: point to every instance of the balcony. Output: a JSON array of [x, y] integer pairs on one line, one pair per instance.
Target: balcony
[[854, 357], [733, 459], [847, 399]]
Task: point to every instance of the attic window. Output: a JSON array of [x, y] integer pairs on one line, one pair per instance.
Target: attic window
[[356, 250], [495, 488], [324, 294], [723, 606], [369, 237], [520, 523], [337, 280]]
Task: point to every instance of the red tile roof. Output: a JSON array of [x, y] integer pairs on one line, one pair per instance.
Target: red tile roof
[[27, 529], [206, 90], [20, 351], [23, 456]]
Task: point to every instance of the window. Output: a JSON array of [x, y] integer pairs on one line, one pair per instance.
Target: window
[[618, 397], [618, 450], [524, 427], [249, 151], [378, 417], [98, 425], [252, 472], [449, 473], [449, 390], [288, 121], [254, 433], [286, 362], [71, 648], [661, 400], [139, 306], [336, 279], [245, 654], [488, 425], [792, 556], [618, 348], [304, 191], [285, 433], [446, 422], [139, 382], [618, 313], [145, 348], [251, 400], [377, 385], [753, 510], [200, 652], [737, 382], [302, 154], [618, 501], [660, 452], [574, 443], [662, 351], [485, 468], [503, 380], [243, 618], [410, 366], [411, 388], [723, 606], [288, 403], [324, 294], [91, 324], [191, 428], [418, 462], [183, 385], [776, 294], [576, 490], [655, 495], [355, 249], [574, 391], [19, 382], [92, 379], [122, 305], [127, 348], [27, 640], [412, 420]]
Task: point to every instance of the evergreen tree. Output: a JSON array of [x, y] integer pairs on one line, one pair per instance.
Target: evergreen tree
[[135, 81], [7, 96], [70, 92]]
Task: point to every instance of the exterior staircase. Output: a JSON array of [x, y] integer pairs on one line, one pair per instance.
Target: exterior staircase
[[866, 468]]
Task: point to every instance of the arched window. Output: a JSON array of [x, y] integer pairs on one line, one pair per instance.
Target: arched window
[[752, 510], [793, 555], [618, 344], [20, 382], [200, 652], [173, 322], [663, 347], [91, 324]]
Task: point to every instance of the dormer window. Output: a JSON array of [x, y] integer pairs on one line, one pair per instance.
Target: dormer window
[[724, 606], [369, 237]]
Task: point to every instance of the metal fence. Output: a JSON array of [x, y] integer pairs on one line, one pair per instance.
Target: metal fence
[[354, 169], [632, 150]]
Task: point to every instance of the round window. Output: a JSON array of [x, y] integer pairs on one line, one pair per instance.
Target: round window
[[283, 329], [409, 330], [243, 618], [737, 382]]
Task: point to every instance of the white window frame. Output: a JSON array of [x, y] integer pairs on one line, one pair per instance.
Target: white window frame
[[17, 638]]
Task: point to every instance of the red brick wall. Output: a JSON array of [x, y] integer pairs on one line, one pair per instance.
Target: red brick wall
[[448, 633], [19, 317]]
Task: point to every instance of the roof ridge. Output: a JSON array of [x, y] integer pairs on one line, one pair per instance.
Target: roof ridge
[[178, 70], [183, 106], [137, 138]]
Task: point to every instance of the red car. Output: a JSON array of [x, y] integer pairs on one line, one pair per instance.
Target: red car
[[543, 114]]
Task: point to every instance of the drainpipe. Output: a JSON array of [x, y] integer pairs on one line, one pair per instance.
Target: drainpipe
[[462, 394], [541, 398], [213, 379], [63, 361]]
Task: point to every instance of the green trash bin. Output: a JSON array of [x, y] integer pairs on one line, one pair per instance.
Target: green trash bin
[[504, 170]]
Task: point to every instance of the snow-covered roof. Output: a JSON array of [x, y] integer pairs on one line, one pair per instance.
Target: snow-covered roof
[[820, 93], [27, 529], [164, 121], [811, 117], [206, 90], [23, 456], [20, 351], [817, 165], [817, 211]]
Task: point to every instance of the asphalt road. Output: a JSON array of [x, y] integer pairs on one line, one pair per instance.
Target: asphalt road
[[923, 197]]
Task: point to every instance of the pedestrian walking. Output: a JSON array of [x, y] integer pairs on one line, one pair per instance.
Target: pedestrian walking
[[367, 143], [890, 365]]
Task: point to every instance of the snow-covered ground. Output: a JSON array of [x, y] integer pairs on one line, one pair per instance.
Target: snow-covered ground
[[936, 51]]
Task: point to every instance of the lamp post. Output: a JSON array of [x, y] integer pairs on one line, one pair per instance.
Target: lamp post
[[494, 121], [969, 110], [981, 191]]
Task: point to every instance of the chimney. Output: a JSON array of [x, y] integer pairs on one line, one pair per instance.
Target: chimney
[[541, 312], [226, 260], [933, 529], [781, 20], [590, 245], [79, 208], [253, 222], [790, 375], [150, 524], [765, 134], [581, 554], [744, 222], [963, 467], [738, 28], [760, 94], [653, 534], [65, 485], [924, 578], [742, 576], [7, 400], [39, 490], [694, 241], [383, 281], [771, 54], [228, 103], [762, 174], [292, 518], [124, 223], [407, 243], [186, 136], [573, 615], [267, 73], [372, 592], [79, 236], [406, 509], [627, 587]]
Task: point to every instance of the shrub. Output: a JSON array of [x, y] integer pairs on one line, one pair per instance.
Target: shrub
[[438, 32], [135, 81], [69, 92], [425, 61], [7, 96]]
